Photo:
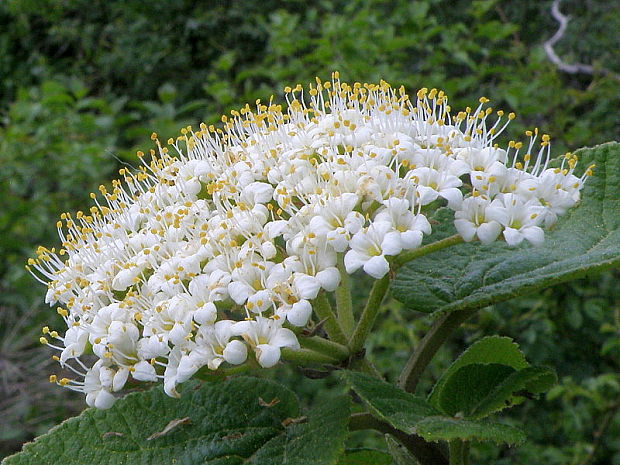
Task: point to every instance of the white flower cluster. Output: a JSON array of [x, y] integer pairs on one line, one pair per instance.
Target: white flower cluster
[[225, 236]]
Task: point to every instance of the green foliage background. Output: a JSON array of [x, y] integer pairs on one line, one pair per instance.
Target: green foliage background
[[84, 83]]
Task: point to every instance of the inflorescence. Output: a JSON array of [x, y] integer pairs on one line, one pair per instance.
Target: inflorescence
[[220, 242]]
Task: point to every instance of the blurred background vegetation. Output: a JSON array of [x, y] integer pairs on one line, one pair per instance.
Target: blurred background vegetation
[[83, 83]]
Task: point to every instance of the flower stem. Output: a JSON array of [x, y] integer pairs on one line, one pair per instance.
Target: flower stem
[[304, 357], [369, 315], [432, 341], [325, 346], [425, 452], [405, 257], [323, 309], [206, 374], [344, 302]]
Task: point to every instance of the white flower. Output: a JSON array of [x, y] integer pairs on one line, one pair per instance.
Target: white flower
[[226, 234], [489, 160], [471, 221], [520, 219], [433, 184], [409, 226], [97, 395], [217, 339], [75, 343], [299, 313], [369, 248], [337, 220], [557, 192], [144, 371], [266, 337], [247, 280], [170, 374]]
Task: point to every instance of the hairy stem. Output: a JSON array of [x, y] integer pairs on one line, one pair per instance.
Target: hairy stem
[[323, 309], [369, 315], [425, 452], [457, 452], [205, 374], [432, 341], [365, 366], [305, 357], [325, 346], [405, 257], [344, 302]]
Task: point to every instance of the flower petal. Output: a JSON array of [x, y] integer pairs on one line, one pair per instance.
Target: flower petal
[[377, 267]]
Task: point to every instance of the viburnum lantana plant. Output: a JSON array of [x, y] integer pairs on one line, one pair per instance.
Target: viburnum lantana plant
[[231, 249]]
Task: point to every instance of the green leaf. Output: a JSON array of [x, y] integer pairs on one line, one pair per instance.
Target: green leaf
[[399, 453], [320, 440], [389, 403], [365, 457], [448, 429], [470, 385], [240, 421], [492, 349], [470, 276], [531, 380]]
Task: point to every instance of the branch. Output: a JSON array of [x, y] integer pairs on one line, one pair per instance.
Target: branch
[[600, 432], [425, 452], [555, 59], [443, 328]]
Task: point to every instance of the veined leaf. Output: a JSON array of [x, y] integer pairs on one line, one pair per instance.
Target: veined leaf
[[489, 376], [400, 409], [531, 380], [449, 429], [240, 421], [399, 453], [492, 349], [470, 385], [365, 457]]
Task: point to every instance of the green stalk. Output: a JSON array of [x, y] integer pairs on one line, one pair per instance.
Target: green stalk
[[323, 309], [344, 302], [206, 374], [305, 357], [369, 315], [466, 445], [405, 257], [457, 452], [365, 366], [425, 452], [432, 341], [325, 346]]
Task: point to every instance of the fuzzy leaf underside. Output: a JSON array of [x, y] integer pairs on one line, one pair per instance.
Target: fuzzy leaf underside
[[471, 275]]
